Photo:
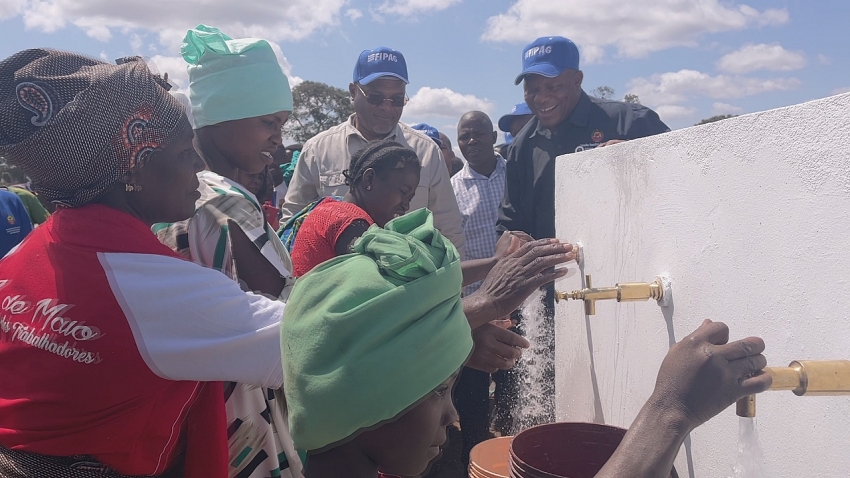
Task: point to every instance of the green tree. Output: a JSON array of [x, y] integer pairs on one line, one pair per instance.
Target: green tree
[[715, 118], [604, 92], [316, 108], [631, 98]]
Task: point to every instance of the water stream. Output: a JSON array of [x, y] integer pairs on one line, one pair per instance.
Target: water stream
[[749, 461], [533, 407]]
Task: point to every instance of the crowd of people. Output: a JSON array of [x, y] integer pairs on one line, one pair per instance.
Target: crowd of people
[[207, 302]]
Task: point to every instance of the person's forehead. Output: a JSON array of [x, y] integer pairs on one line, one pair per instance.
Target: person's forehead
[[474, 125], [540, 80], [279, 116]]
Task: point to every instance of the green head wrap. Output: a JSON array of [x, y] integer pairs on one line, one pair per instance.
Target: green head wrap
[[367, 335], [232, 79]]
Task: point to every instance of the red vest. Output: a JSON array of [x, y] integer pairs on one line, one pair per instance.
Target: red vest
[[73, 378]]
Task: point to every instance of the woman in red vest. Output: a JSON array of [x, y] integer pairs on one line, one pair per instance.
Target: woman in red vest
[[113, 348]]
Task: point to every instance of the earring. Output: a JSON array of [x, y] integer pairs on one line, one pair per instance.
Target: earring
[[131, 188], [369, 188]]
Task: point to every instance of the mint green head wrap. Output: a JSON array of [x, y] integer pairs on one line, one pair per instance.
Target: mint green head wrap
[[232, 79], [365, 336]]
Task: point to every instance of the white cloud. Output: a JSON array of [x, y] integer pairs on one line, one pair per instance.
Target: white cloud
[[96, 28], [676, 87], [353, 14], [761, 57], [269, 19], [633, 28], [11, 8], [175, 66], [726, 109], [839, 91], [669, 92], [408, 8], [442, 103], [285, 65], [136, 42], [823, 59], [669, 112]]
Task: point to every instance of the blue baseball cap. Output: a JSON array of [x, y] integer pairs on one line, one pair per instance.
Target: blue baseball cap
[[429, 131], [382, 61], [519, 109], [548, 56]]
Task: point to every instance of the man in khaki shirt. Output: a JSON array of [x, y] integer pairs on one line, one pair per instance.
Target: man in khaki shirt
[[379, 95]]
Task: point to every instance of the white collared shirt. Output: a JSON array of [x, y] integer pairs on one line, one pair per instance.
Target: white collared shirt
[[478, 198]]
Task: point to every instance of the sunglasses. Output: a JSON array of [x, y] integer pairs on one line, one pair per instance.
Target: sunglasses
[[377, 99]]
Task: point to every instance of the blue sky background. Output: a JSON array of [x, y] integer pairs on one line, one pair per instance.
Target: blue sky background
[[688, 59]]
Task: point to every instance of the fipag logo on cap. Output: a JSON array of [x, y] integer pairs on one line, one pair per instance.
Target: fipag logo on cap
[[548, 56], [382, 56], [538, 50], [382, 61]]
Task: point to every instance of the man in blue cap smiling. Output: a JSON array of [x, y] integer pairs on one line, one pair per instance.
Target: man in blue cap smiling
[[566, 120]]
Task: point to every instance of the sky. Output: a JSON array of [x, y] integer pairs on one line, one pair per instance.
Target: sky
[[686, 59]]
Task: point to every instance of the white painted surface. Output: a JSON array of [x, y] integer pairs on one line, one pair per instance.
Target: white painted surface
[[750, 217]]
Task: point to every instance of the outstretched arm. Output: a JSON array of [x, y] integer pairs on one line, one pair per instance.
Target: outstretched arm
[[700, 377]]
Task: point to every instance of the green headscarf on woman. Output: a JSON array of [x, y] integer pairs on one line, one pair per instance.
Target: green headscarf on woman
[[367, 337]]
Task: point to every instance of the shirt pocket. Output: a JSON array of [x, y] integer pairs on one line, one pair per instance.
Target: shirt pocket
[[332, 184]]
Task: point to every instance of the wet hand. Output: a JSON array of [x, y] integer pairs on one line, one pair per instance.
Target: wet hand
[[703, 374], [520, 273], [509, 242], [496, 348]]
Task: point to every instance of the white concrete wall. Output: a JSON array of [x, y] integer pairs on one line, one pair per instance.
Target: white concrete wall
[[750, 217]]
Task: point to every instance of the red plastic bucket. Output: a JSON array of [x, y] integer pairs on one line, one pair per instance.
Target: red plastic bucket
[[564, 450]]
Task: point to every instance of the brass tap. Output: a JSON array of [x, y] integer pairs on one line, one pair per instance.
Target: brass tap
[[624, 292], [804, 377]]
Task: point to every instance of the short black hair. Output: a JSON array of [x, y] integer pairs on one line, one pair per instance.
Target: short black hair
[[381, 156]]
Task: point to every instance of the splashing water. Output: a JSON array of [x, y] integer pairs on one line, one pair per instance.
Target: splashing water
[[749, 462], [533, 405]]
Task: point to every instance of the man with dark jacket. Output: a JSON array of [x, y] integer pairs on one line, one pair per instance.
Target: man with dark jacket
[[566, 120]]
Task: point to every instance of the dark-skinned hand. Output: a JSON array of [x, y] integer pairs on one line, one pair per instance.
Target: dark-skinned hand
[[496, 348], [509, 242], [517, 275], [611, 142], [705, 373]]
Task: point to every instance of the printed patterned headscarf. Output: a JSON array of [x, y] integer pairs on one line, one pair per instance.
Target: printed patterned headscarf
[[77, 125]]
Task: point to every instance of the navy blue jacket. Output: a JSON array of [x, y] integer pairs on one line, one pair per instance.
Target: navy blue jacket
[[529, 201]]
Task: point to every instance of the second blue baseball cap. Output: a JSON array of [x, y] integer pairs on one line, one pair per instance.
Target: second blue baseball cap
[[519, 109], [382, 61], [548, 56], [429, 131]]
